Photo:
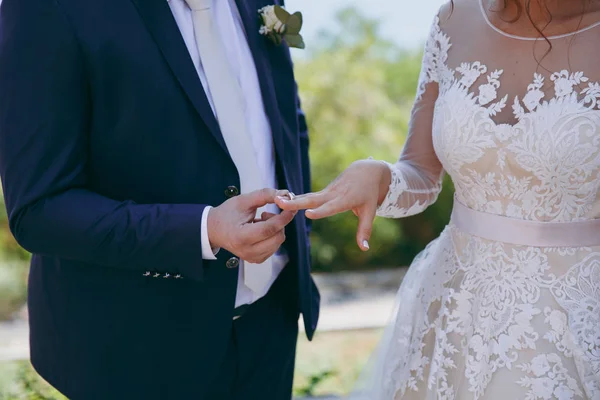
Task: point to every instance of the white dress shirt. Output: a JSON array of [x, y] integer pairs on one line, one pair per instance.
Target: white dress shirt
[[230, 26]]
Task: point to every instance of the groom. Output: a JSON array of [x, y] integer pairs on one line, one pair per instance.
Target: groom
[[138, 140]]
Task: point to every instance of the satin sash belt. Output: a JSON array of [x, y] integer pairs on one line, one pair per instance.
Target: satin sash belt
[[526, 233]]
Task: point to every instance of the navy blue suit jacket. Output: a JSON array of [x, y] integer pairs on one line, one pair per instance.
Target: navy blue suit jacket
[[109, 153]]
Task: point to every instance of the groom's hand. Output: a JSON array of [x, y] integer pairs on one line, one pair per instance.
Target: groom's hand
[[232, 226]]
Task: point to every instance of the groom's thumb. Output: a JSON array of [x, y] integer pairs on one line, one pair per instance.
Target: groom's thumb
[[365, 227]]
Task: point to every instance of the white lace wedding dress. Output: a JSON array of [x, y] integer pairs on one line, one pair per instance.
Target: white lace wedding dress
[[505, 304]]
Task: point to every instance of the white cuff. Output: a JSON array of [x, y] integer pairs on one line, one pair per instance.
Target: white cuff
[[208, 253]]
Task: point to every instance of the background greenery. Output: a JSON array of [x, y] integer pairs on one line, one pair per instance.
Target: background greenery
[[13, 269], [357, 90]]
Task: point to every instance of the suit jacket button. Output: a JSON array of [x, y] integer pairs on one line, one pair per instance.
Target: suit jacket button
[[232, 191], [232, 263]]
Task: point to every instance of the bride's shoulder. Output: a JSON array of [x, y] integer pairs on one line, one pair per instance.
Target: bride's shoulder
[[459, 16], [458, 12], [446, 10]]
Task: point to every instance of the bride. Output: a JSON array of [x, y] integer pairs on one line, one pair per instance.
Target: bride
[[505, 304]]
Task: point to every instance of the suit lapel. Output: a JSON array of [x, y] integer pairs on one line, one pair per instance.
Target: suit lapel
[[258, 46], [163, 28]]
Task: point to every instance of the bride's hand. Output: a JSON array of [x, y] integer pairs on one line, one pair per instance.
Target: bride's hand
[[361, 188]]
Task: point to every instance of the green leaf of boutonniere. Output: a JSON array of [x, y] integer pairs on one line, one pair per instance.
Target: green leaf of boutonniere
[[294, 41], [294, 23], [278, 24], [281, 14]]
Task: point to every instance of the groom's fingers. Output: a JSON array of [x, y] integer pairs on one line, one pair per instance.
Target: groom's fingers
[[266, 248], [265, 216], [263, 230], [366, 216]]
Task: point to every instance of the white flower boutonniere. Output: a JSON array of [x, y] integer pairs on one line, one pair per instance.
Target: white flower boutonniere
[[278, 25]]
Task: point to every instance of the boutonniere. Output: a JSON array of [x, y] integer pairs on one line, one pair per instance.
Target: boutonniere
[[278, 25]]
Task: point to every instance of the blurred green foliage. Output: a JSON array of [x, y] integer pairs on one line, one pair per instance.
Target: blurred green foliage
[[13, 269], [13, 290], [314, 381], [357, 91], [23, 383], [9, 249]]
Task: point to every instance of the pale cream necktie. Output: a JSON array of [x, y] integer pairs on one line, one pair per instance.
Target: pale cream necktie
[[229, 104]]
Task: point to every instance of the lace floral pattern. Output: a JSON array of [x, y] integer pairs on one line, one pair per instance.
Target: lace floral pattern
[[477, 315], [540, 190], [390, 208], [547, 378], [434, 58], [477, 308]]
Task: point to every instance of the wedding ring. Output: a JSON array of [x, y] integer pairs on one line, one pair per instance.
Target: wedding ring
[[292, 196]]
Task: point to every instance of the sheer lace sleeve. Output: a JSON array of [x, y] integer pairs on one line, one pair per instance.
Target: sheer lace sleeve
[[417, 176]]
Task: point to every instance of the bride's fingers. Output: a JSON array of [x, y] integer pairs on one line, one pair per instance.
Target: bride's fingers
[[302, 202], [365, 226], [328, 209]]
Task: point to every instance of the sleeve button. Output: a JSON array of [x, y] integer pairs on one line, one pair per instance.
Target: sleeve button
[[232, 263], [232, 191]]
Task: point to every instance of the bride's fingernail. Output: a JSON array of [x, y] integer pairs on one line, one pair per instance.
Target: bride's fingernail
[[366, 244]]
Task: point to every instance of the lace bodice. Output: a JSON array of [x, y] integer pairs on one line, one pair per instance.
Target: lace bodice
[[518, 137], [518, 131]]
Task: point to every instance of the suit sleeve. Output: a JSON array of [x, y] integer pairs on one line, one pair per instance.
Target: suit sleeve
[[45, 114]]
